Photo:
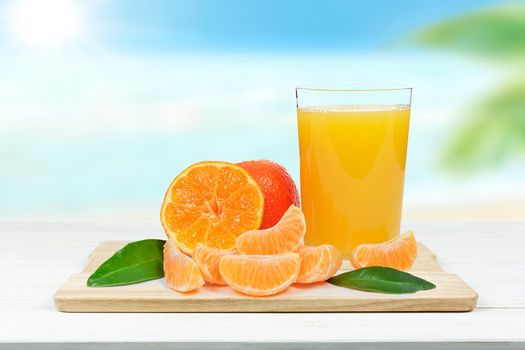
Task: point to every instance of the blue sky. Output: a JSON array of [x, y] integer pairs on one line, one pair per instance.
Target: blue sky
[[270, 25]]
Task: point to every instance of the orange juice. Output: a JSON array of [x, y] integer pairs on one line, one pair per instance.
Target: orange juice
[[352, 172]]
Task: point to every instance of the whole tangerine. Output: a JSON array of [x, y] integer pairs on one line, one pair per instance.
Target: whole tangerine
[[278, 188]]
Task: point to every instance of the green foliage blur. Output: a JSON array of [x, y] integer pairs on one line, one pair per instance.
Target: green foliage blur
[[494, 131]]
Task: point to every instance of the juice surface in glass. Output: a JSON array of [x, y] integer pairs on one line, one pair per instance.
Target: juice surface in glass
[[352, 172]]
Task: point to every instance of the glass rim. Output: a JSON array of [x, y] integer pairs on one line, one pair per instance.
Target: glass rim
[[401, 88]]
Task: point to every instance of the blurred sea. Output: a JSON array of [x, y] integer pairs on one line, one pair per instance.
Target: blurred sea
[[100, 136]]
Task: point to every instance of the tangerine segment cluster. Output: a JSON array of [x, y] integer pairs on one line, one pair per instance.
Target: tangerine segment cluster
[[286, 236], [208, 260], [281, 260], [211, 203], [260, 275], [318, 263], [398, 253], [180, 271]]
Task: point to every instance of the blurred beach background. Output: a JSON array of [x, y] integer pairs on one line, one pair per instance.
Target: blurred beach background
[[103, 102]]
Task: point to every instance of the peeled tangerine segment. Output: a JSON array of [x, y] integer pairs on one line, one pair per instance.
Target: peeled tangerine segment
[[208, 259], [211, 203], [398, 253], [180, 271], [318, 263], [260, 275], [286, 236]]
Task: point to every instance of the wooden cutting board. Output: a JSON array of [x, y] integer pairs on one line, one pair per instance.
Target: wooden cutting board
[[451, 294]]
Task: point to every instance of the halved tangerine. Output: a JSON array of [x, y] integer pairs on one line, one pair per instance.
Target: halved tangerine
[[211, 203], [260, 275], [286, 236], [208, 260], [318, 263], [180, 271], [398, 253]]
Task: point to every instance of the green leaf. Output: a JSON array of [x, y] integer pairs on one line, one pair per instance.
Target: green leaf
[[381, 279], [136, 262], [496, 32], [494, 132]]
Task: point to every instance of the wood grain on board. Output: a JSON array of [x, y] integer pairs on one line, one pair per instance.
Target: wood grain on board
[[451, 294]]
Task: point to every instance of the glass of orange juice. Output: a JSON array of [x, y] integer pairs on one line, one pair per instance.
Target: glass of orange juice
[[353, 146]]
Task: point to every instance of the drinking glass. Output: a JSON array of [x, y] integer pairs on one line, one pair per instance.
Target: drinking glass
[[353, 146]]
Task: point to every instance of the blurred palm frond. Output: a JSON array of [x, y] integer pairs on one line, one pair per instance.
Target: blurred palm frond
[[493, 33], [494, 133]]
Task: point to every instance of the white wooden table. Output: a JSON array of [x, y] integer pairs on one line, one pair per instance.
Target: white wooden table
[[35, 259]]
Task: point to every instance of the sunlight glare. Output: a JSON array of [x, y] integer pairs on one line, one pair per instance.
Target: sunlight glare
[[50, 23]]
